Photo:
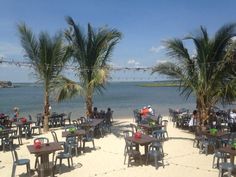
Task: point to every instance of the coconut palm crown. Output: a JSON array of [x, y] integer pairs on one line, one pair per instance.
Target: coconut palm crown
[[47, 56], [91, 53], [207, 73]]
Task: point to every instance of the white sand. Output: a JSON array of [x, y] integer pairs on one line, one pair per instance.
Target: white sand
[[181, 159]]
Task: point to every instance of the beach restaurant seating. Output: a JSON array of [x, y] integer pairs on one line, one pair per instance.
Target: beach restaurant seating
[[37, 124], [226, 167], [157, 153], [132, 153], [137, 115], [6, 139], [19, 162], [134, 127], [88, 137], [67, 154], [164, 128], [54, 135], [67, 118], [127, 133], [71, 143], [43, 140]]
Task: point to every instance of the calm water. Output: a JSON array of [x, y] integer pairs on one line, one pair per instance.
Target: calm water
[[122, 97]]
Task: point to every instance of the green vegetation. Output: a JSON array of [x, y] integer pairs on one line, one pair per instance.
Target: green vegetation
[[159, 84], [47, 56], [91, 52], [208, 73]]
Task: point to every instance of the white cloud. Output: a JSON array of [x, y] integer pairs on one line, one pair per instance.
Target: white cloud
[[163, 60], [9, 49], [156, 49], [133, 62]]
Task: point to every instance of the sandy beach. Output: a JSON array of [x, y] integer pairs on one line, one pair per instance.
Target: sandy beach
[[107, 160]]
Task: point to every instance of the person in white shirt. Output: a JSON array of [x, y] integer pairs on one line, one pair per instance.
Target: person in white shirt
[[232, 116], [150, 110], [193, 121]]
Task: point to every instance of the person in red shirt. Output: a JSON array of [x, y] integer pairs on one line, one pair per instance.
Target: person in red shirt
[[144, 112]]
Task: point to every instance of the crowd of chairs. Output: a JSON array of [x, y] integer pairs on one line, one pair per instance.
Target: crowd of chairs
[[71, 146]]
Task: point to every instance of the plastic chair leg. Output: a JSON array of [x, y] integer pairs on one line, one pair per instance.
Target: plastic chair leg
[[13, 170]]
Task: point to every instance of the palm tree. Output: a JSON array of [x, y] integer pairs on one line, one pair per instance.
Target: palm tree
[[92, 53], [208, 72], [47, 56]]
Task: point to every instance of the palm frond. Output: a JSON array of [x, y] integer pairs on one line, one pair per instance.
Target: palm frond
[[66, 88]]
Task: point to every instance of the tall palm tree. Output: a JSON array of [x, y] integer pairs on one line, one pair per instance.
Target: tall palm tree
[[91, 52], [47, 56], [207, 73]]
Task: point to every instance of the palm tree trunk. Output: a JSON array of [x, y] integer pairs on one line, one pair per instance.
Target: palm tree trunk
[[89, 105], [46, 111], [203, 109]]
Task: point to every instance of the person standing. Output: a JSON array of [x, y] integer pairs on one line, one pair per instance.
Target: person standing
[[15, 114], [193, 121]]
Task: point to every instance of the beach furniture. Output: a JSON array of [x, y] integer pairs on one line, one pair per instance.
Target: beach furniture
[[127, 133], [37, 124], [78, 132], [226, 167], [133, 154], [71, 143], [67, 118], [164, 128], [217, 157], [137, 115], [19, 162], [45, 167], [43, 140], [67, 154], [54, 135], [159, 135], [6, 139], [76, 124], [14, 135], [81, 120], [157, 153], [88, 137], [144, 140], [134, 127], [24, 127], [212, 140]]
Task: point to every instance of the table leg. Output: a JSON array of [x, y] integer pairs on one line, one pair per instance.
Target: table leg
[[146, 149], [232, 159]]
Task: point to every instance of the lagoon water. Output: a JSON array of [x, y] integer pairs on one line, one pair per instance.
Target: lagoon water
[[122, 97]]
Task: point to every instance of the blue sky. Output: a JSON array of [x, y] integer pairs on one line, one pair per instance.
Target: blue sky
[[144, 25]]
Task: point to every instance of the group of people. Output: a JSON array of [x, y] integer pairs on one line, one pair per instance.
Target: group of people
[[102, 114], [146, 111]]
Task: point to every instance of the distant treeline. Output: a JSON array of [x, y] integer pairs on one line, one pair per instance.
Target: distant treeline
[[166, 83]]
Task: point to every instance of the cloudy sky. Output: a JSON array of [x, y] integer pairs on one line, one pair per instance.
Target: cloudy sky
[[144, 25]]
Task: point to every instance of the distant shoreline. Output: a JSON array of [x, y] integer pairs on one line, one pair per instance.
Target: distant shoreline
[[162, 84]]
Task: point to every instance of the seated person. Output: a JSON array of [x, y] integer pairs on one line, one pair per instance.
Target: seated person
[[95, 114], [144, 112], [151, 112], [108, 115]]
